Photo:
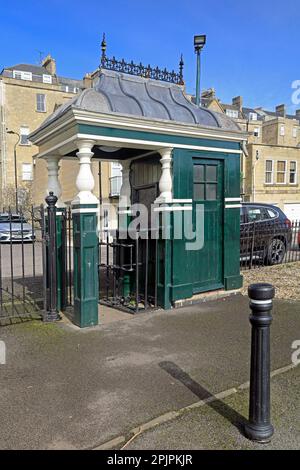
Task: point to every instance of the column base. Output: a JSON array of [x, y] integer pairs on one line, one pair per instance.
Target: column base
[[259, 432]]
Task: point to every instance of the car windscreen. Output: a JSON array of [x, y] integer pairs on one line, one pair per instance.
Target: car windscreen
[[13, 220]]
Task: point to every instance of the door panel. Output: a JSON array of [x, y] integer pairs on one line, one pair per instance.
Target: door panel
[[208, 190]]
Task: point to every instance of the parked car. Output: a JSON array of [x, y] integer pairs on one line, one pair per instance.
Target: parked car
[[15, 228], [266, 233]]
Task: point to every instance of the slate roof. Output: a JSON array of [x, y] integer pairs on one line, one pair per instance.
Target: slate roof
[[35, 69], [39, 70], [115, 92]]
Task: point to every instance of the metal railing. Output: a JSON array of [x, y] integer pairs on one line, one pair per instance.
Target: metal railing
[[128, 273], [22, 264], [264, 244]]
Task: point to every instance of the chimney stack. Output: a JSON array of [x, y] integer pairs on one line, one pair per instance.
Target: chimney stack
[[280, 110], [87, 81], [49, 64], [298, 114], [238, 101]]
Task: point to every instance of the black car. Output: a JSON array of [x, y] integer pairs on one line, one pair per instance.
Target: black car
[[266, 233]]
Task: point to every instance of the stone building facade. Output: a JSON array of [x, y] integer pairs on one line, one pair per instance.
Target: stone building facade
[[28, 95], [270, 165]]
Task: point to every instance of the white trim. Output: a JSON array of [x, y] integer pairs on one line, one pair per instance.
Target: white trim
[[172, 209], [296, 171], [158, 144], [86, 210], [233, 206], [182, 200], [272, 171], [260, 302], [170, 127], [129, 211], [231, 199], [135, 123], [285, 172], [140, 143]]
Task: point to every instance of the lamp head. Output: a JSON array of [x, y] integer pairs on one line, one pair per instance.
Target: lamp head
[[199, 42]]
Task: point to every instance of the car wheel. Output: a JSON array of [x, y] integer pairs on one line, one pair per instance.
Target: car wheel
[[276, 251]]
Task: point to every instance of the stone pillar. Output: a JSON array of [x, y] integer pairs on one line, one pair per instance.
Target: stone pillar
[[55, 187], [163, 201], [166, 181], [53, 179], [85, 241]]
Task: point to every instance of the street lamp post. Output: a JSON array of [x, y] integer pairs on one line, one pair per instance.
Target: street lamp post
[[15, 166], [199, 43]]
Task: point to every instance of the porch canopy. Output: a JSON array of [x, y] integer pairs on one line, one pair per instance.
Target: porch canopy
[[123, 117]]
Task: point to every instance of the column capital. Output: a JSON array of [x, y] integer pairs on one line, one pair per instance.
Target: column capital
[[54, 185], [85, 145], [166, 152]]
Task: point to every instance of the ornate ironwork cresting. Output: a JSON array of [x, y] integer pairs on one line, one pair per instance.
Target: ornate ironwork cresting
[[140, 69]]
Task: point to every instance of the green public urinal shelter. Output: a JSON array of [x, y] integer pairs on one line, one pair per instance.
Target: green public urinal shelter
[[182, 158]]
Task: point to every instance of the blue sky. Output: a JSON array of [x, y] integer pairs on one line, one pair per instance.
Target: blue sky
[[252, 47]]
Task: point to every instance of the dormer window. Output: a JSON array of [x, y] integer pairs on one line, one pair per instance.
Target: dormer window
[[252, 117], [232, 113], [47, 78], [21, 75]]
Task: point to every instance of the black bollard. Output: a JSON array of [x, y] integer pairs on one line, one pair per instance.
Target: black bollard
[[259, 427], [51, 313]]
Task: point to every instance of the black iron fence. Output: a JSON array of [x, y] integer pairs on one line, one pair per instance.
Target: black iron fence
[[128, 272], [22, 262], [269, 244]]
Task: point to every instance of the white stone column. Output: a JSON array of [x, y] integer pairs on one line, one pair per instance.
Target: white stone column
[[53, 178], [125, 191], [85, 180], [165, 182]]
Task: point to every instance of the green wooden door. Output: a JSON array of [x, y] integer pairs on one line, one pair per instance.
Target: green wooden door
[[208, 179]]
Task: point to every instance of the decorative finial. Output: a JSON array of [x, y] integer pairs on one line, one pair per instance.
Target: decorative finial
[[181, 64], [103, 49]]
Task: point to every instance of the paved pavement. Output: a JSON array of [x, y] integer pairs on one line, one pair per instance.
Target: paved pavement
[[67, 388], [218, 424]]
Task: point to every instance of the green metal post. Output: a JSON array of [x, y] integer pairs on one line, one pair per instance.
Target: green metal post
[[198, 79], [86, 259], [61, 258]]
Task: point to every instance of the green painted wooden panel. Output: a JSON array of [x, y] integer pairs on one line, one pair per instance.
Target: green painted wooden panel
[[151, 136], [86, 294], [208, 191]]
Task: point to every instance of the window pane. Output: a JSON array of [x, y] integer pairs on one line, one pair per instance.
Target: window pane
[[268, 177], [293, 166], [198, 173], [271, 213], [280, 177], [293, 178], [211, 192], [280, 166], [211, 173], [269, 165], [254, 214], [199, 191]]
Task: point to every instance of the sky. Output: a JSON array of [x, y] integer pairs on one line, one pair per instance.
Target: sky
[[252, 47]]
